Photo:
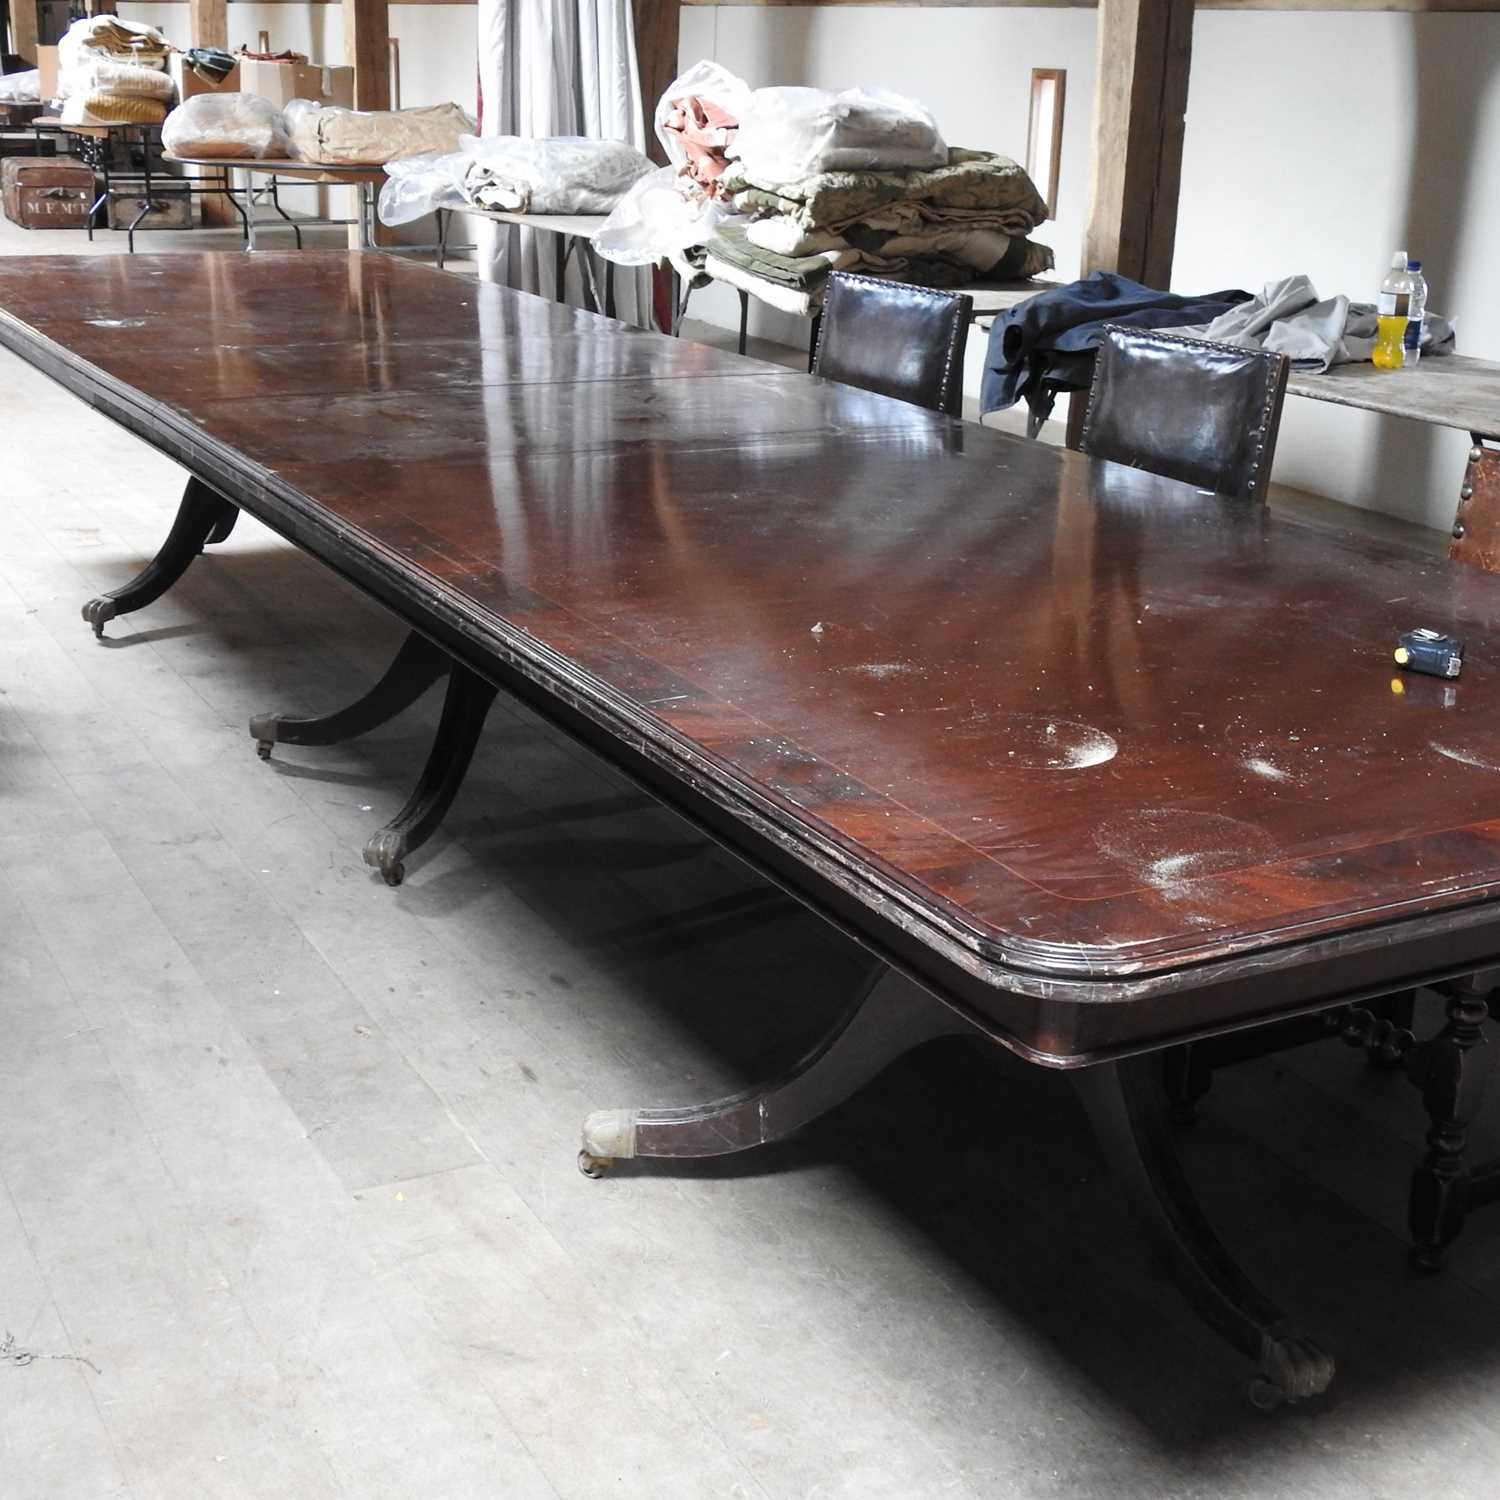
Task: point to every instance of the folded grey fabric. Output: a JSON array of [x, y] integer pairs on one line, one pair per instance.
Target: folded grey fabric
[[1287, 318]]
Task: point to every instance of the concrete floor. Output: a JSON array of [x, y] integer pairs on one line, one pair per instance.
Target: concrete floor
[[288, 1205]]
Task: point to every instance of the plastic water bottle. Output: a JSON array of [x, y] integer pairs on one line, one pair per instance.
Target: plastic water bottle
[[1392, 312], [1416, 308]]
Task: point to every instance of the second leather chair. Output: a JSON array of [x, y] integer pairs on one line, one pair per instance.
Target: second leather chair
[[1203, 412], [894, 339]]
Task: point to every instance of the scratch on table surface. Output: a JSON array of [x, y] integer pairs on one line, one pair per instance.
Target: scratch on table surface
[[19, 1358]]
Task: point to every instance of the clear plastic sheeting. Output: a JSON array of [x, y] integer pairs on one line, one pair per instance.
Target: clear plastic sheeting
[[657, 219], [704, 80], [666, 212], [561, 175], [418, 185], [790, 133], [225, 126], [21, 88]]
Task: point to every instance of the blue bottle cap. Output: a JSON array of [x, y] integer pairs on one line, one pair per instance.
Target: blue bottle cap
[[1414, 265]]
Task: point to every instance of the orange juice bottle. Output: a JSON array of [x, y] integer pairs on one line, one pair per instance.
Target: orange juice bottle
[[1392, 313]]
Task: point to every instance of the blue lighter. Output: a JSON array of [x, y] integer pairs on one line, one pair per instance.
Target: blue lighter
[[1430, 651]]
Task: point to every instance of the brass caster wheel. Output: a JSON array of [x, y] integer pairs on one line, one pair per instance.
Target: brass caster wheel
[[593, 1166], [263, 748], [394, 873], [98, 612]]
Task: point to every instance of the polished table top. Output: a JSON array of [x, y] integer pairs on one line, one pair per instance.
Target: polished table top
[[1080, 719]]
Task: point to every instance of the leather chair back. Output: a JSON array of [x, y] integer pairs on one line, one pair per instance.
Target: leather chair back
[[894, 339], [1203, 412]]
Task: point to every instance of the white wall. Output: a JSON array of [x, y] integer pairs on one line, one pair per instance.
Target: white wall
[[1321, 143], [437, 41], [1315, 142]]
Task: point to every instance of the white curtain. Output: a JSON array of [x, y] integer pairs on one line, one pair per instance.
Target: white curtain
[[558, 67]]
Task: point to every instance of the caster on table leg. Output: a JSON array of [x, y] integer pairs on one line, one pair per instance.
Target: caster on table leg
[[386, 852], [265, 731], [98, 613], [594, 1166]]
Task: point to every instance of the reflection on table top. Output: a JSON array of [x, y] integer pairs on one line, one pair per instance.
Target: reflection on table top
[[1093, 719]]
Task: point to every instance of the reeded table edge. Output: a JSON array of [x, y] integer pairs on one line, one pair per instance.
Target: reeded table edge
[[1045, 971]]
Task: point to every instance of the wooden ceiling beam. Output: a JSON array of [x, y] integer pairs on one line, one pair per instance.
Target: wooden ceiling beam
[[367, 49]]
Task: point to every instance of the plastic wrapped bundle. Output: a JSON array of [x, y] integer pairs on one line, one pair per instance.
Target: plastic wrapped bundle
[[558, 175], [103, 75], [791, 133], [355, 137], [225, 126], [21, 88], [94, 37], [417, 185]]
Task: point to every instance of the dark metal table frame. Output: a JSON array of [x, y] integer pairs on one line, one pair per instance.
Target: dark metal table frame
[[277, 173], [923, 983], [568, 241], [97, 152]]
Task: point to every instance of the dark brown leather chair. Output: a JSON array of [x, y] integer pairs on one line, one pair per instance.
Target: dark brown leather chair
[[1187, 408], [894, 339]]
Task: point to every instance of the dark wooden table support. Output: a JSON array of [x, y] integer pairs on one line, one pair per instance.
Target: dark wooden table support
[[204, 516], [414, 669], [888, 1017], [464, 709], [1452, 1071], [1128, 1106], [1381, 1028]]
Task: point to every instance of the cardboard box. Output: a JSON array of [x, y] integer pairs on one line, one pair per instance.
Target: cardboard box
[[189, 83], [282, 82], [46, 66]]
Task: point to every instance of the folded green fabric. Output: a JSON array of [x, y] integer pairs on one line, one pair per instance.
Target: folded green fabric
[[971, 180], [800, 271]]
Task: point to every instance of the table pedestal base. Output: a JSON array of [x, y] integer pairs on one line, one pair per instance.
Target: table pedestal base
[[1127, 1102], [415, 668], [204, 516]]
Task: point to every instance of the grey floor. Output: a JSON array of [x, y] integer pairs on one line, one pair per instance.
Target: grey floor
[[288, 1204]]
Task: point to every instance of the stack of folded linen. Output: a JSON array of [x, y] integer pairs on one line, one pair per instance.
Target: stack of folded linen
[[113, 72], [771, 189], [946, 226]]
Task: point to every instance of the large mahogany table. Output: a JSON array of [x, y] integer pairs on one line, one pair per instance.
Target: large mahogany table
[[1091, 763]]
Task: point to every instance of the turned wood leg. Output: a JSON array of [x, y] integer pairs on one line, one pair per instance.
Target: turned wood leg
[[416, 666], [1127, 1103], [203, 516], [1187, 1076], [888, 1017], [464, 708], [1451, 1070]]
